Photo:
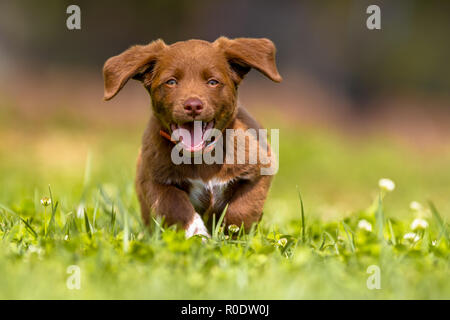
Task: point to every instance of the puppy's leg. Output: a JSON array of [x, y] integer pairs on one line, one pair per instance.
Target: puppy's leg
[[173, 204], [197, 227], [247, 202]]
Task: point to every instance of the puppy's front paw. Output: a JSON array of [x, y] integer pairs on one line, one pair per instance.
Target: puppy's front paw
[[197, 227]]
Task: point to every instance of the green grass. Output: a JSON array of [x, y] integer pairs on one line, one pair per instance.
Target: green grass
[[308, 244]]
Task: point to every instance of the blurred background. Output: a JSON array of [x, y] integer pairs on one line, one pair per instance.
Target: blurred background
[[355, 105]]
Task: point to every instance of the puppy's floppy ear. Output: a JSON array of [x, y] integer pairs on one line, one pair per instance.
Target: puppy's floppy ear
[[246, 53], [129, 64]]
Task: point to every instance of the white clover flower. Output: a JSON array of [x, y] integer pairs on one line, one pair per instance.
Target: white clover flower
[[415, 206], [434, 243], [36, 250], [386, 185], [46, 201], [282, 242], [419, 224], [232, 228], [365, 225], [80, 211], [411, 237]]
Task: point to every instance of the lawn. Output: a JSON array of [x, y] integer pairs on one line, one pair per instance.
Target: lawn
[[68, 199]]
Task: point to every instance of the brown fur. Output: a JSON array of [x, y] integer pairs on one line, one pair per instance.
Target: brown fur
[[163, 187]]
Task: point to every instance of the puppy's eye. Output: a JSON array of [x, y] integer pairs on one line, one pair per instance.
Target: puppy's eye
[[212, 82], [171, 82]]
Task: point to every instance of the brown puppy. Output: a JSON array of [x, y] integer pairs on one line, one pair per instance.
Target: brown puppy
[[188, 82]]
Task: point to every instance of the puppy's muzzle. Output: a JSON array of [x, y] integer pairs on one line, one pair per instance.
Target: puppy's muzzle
[[193, 107]]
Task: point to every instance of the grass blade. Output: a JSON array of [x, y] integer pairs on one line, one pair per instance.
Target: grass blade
[[27, 225], [334, 241], [351, 239], [391, 231], [303, 215], [126, 232], [219, 223], [439, 220], [87, 224], [29, 228], [379, 217]]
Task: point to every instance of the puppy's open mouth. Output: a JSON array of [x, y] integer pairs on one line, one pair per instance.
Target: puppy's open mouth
[[194, 136]]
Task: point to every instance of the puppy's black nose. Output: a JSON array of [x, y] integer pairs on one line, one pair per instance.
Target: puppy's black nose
[[193, 106]]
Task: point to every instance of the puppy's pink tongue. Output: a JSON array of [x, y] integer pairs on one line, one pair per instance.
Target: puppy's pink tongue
[[193, 134]]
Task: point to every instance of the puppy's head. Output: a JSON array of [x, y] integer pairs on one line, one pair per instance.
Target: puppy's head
[[192, 80]]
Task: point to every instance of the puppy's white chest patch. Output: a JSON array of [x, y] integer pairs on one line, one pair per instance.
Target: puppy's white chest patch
[[212, 189]]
